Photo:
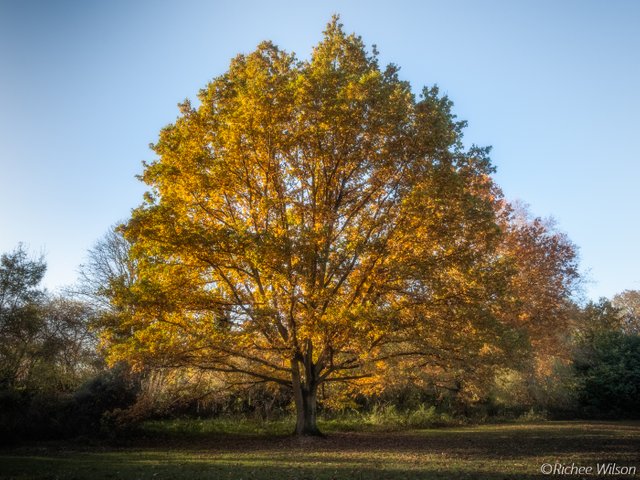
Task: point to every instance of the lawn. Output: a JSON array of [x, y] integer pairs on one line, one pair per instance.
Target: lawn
[[488, 451]]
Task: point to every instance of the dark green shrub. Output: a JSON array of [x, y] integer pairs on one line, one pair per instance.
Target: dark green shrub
[[113, 390], [98, 407], [608, 370]]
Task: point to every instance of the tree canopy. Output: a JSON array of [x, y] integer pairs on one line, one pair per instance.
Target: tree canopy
[[310, 221]]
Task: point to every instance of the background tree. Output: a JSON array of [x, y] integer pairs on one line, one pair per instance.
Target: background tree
[[68, 353], [109, 267], [629, 304], [309, 221], [539, 304], [45, 341], [47, 350], [21, 322], [607, 363], [540, 271], [545, 280]]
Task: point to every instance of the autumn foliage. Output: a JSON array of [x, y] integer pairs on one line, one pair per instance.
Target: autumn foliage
[[314, 221]]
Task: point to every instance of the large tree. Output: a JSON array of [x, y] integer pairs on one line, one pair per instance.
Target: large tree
[[308, 221]]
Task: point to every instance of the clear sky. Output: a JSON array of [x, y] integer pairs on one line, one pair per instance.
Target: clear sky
[[554, 86]]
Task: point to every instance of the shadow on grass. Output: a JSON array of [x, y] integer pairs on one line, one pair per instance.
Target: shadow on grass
[[491, 441], [149, 466], [488, 452]]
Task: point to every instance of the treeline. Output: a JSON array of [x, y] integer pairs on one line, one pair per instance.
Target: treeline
[[53, 380], [55, 383]]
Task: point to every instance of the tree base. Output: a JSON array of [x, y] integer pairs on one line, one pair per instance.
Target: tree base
[[309, 432]]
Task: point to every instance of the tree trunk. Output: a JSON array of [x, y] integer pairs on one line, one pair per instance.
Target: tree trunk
[[306, 419], [305, 394]]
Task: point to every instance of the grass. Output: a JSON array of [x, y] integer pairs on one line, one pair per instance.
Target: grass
[[386, 418], [180, 450]]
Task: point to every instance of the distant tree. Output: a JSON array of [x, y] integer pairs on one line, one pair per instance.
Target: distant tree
[[540, 303], [542, 277], [629, 304], [607, 363], [109, 267], [308, 222], [540, 292], [67, 355], [45, 341], [598, 317], [21, 321]]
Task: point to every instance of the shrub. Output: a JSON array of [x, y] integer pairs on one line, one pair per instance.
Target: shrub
[[101, 402], [608, 370], [98, 407]]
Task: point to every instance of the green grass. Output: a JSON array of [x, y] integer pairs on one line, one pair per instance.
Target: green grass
[[175, 450], [233, 425]]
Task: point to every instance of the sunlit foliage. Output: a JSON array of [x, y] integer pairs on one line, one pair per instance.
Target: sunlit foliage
[[313, 221]]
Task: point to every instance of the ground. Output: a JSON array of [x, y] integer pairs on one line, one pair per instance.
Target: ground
[[482, 452]]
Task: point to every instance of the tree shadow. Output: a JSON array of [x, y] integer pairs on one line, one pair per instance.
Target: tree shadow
[[560, 439], [79, 468], [488, 452]]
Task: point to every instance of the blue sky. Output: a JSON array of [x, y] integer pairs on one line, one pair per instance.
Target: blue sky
[[554, 86]]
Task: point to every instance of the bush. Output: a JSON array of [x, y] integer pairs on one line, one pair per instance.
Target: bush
[[100, 404], [97, 407], [389, 417], [608, 371], [27, 414], [427, 417], [533, 416]]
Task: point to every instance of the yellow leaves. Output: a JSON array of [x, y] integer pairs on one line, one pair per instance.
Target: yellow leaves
[[488, 350], [315, 206]]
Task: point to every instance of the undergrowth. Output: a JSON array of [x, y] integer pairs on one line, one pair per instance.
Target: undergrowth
[[379, 418]]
